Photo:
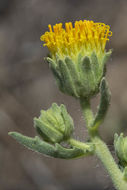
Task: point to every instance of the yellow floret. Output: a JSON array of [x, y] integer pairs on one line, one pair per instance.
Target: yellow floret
[[85, 37]]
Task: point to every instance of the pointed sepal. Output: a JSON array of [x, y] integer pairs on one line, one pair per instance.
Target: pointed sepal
[[79, 75], [67, 78]]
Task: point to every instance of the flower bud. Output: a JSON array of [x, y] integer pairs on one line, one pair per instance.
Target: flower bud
[[54, 125], [120, 144]]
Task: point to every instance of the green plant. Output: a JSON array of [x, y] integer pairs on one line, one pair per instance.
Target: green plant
[[78, 60]]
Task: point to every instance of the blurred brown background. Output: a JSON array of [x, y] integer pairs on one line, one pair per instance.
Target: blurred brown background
[[27, 85]]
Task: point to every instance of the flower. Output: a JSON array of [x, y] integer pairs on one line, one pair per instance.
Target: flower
[[84, 37], [78, 56]]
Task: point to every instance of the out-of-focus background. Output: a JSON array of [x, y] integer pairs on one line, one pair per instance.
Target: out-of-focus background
[[27, 85]]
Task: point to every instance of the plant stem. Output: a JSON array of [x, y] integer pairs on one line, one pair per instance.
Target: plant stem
[[88, 115], [80, 145], [102, 151], [106, 158]]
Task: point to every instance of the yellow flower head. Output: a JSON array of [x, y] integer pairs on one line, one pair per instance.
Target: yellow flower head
[[84, 37]]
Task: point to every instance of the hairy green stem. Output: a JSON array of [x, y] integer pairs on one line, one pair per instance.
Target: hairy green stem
[[102, 151], [78, 144], [88, 115]]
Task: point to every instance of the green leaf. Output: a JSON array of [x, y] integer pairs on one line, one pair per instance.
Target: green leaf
[[35, 143], [104, 104], [57, 151], [67, 153]]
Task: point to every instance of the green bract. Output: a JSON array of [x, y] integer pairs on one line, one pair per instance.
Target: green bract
[[55, 124], [120, 144], [79, 77]]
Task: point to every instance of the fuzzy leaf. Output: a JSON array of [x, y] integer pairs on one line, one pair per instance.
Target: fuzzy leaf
[[104, 104], [57, 151], [67, 153], [35, 143]]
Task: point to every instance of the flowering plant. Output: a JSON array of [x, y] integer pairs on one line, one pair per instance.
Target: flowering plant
[[78, 61]]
